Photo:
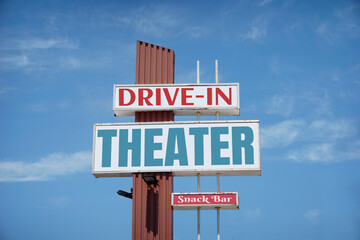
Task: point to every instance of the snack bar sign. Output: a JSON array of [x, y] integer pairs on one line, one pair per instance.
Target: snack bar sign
[[205, 201], [183, 99], [184, 148]]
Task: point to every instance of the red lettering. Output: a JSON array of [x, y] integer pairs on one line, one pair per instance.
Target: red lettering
[[223, 96], [184, 96], [121, 97], [209, 96], [158, 96], [146, 99], [168, 98]]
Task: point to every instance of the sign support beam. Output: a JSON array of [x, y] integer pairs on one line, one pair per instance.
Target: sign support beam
[[198, 175], [152, 213], [217, 176]]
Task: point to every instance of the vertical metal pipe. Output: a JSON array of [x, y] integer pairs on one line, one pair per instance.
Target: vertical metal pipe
[[217, 176], [198, 175], [217, 81], [218, 223], [198, 81], [198, 182], [198, 72], [198, 210], [218, 209], [216, 72]]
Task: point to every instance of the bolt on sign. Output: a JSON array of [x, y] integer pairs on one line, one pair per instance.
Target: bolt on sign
[[205, 201], [185, 148], [183, 99]]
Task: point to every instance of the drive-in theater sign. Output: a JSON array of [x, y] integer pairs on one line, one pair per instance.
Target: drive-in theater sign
[[155, 146], [183, 99], [184, 148]]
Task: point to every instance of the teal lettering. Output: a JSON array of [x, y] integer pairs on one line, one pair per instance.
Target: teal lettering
[[107, 135], [176, 135], [199, 143], [217, 145], [239, 144], [151, 146], [125, 145]]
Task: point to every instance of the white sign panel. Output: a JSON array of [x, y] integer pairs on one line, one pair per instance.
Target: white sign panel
[[184, 148], [183, 99]]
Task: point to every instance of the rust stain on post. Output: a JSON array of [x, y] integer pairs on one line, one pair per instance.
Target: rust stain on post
[[152, 212]]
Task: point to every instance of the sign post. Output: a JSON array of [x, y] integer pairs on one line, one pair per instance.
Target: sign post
[[152, 214]]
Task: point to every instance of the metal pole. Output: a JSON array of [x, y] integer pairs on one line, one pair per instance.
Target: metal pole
[[216, 72], [198, 72], [198, 81], [217, 81], [218, 223], [218, 209], [198, 210], [198, 175], [217, 176]]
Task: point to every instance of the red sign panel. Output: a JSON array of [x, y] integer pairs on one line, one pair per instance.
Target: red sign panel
[[190, 201]]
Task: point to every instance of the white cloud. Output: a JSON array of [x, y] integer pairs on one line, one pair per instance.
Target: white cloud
[[194, 31], [31, 53], [305, 99], [71, 63], [38, 43], [274, 66], [323, 152], [345, 24], [6, 90], [155, 20], [312, 216], [10, 62], [264, 2], [317, 141], [326, 152], [326, 31], [332, 129], [160, 21], [37, 107], [58, 55], [59, 202], [28, 43], [46, 168], [348, 20], [44, 107], [282, 105], [281, 134], [297, 130], [253, 215], [257, 32]]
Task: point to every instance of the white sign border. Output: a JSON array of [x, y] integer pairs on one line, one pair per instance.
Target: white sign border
[[189, 111], [178, 172]]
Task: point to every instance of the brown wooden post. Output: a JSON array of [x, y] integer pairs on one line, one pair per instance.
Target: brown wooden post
[[152, 212]]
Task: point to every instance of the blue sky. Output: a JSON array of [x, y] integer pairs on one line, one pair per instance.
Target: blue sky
[[298, 65]]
